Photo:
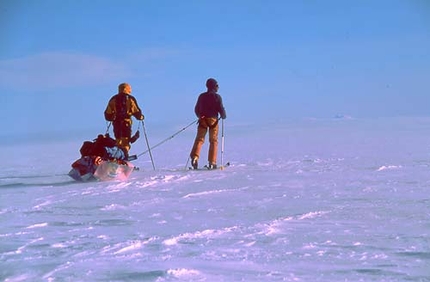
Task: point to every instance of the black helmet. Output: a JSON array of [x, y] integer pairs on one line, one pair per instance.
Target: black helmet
[[211, 83]]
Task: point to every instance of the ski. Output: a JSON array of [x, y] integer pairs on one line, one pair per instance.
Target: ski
[[206, 167]]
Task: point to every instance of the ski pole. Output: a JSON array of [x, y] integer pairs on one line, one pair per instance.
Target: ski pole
[[108, 126], [222, 144], [186, 165], [147, 144]]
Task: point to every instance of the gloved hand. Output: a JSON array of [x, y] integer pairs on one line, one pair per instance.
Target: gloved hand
[[142, 117]]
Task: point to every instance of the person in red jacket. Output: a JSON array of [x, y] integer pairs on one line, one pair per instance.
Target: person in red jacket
[[120, 109], [208, 108]]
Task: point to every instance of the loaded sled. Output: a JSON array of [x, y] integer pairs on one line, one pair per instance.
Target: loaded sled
[[102, 160]]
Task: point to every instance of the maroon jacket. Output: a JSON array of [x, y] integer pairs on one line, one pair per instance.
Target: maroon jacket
[[209, 104]]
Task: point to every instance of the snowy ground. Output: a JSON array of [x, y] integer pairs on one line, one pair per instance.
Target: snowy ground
[[308, 200]]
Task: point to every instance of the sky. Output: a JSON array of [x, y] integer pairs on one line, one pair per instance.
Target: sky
[[61, 61]]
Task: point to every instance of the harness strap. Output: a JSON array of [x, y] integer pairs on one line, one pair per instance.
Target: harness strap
[[204, 124]]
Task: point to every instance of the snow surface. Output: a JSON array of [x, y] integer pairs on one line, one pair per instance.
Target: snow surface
[[303, 200]]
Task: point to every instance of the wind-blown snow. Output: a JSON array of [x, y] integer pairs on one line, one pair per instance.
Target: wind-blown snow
[[310, 200]]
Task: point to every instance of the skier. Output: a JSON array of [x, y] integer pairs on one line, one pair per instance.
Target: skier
[[208, 108], [120, 109]]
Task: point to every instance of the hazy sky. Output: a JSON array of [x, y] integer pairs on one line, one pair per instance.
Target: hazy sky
[[61, 61]]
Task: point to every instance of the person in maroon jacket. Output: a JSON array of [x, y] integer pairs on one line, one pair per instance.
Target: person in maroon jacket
[[208, 109]]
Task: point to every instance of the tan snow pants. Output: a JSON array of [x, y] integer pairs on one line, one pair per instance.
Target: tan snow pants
[[206, 124]]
